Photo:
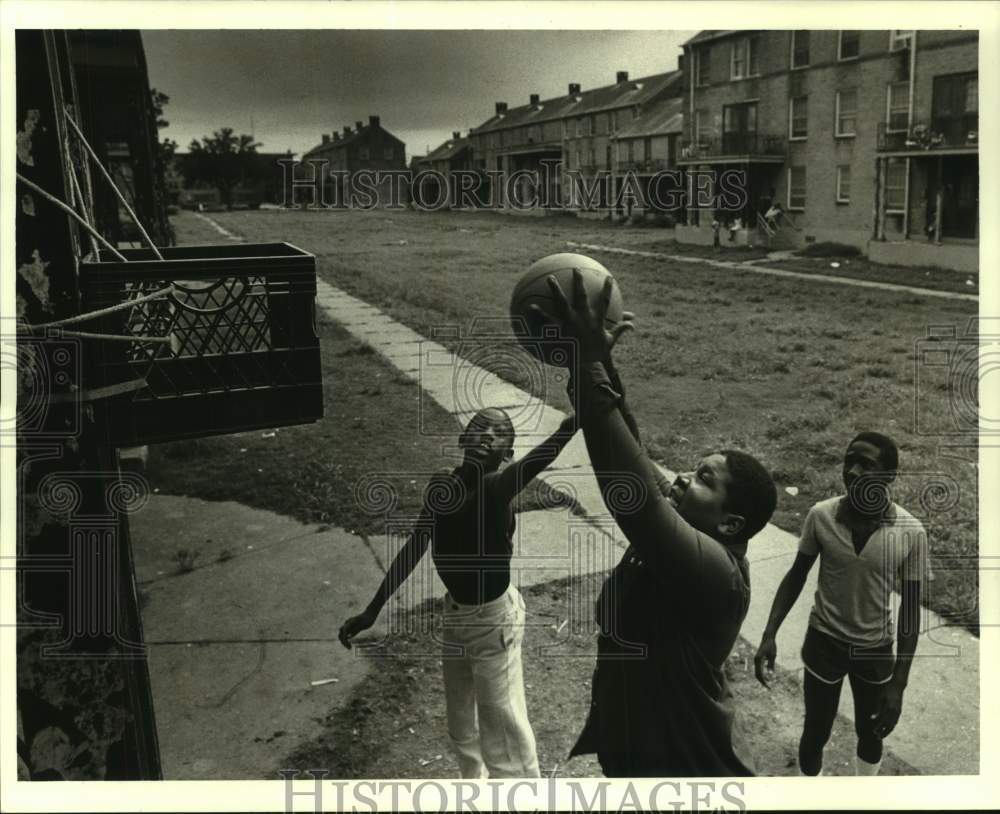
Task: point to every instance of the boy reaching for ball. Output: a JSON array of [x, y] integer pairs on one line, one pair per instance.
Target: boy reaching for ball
[[671, 610], [468, 519]]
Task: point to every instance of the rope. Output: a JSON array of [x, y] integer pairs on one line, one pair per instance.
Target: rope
[[122, 306], [157, 340], [52, 199], [107, 176]]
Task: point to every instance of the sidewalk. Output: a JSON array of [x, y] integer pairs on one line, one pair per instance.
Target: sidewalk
[[756, 267], [939, 733], [255, 621]]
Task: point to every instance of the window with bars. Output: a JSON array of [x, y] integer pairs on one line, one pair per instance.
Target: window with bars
[[847, 112], [796, 188], [798, 117], [800, 49], [895, 186], [898, 107], [844, 183], [849, 45]]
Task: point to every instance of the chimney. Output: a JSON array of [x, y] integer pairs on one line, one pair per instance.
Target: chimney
[[326, 138], [501, 108], [359, 125], [622, 76], [336, 136], [347, 130], [373, 121], [456, 134], [574, 88], [533, 99]]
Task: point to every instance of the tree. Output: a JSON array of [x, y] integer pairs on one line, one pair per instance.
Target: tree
[[167, 147], [222, 160]]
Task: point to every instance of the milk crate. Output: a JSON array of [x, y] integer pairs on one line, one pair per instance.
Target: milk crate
[[242, 351]]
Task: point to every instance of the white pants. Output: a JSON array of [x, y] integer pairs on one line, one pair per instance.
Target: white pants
[[484, 688]]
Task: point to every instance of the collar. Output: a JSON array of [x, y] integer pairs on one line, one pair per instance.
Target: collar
[[842, 512]]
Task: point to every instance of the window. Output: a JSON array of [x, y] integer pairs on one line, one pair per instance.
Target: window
[[613, 121], [898, 107], [898, 40], [703, 58], [743, 60], [631, 150], [364, 153], [593, 157], [895, 186], [796, 187], [635, 112], [798, 117], [850, 45], [738, 61], [579, 127], [388, 153], [847, 112], [800, 49], [647, 148], [844, 184]]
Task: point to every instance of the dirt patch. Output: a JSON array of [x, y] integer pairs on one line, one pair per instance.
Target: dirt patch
[[395, 724]]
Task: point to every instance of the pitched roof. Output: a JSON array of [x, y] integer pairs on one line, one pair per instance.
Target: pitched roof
[[609, 97], [657, 119], [705, 36], [447, 150], [345, 140]]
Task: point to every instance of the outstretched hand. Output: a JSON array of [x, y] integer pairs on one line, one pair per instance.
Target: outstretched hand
[[353, 626], [586, 323]]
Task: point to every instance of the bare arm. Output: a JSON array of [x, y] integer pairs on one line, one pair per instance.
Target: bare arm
[[519, 474], [907, 635], [785, 597]]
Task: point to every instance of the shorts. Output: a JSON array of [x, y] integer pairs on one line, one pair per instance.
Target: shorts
[[830, 659]]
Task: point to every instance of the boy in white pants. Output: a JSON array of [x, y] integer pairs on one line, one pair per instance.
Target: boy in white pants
[[471, 532]]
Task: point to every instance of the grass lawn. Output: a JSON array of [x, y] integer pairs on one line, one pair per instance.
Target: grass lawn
[[786, 369], [395, 726], [860, 268]]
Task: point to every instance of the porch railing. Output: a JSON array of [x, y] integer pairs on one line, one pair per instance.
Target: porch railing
[[935, 134]]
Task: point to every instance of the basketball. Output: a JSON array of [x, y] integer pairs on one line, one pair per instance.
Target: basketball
[[537, 335]]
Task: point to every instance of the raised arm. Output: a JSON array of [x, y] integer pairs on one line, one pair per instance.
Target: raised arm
[[519, 474]]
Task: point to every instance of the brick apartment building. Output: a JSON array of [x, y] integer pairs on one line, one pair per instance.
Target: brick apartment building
[[445, 160], [868, 138], [366, 147], [576, 131]]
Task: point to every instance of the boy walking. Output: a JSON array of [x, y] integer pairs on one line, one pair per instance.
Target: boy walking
[[470, 531], [864, 541]]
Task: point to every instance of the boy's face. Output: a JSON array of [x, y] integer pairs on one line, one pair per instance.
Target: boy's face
[[864, 476], [701, 497], [487, 442]]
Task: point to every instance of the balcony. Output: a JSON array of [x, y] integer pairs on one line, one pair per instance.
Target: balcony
[[736, 147], [644, 165], [955, 134]]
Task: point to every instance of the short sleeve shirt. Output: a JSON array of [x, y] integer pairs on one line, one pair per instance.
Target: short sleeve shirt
[[853, 601]]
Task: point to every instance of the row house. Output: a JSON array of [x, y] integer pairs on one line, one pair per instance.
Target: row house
[[868, 138], [644, 148], [367, 147], [573, 132], [449, 157]]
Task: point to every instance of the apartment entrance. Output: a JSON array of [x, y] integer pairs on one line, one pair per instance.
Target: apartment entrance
[[958, 181]]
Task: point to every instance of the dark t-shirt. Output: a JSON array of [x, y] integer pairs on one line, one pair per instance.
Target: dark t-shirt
[[660, 703], [472, 536]]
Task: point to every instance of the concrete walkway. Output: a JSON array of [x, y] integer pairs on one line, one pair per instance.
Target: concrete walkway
[[753, 267], [939, 733]]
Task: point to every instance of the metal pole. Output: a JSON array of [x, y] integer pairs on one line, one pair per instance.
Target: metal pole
[[118, 193]]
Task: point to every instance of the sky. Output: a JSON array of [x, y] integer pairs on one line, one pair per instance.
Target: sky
[[288, 87]]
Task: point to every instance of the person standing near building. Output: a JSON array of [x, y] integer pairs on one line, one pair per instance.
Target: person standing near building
[[864, 541]]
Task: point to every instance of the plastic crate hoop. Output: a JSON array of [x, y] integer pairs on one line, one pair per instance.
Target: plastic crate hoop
[[243, 351]]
